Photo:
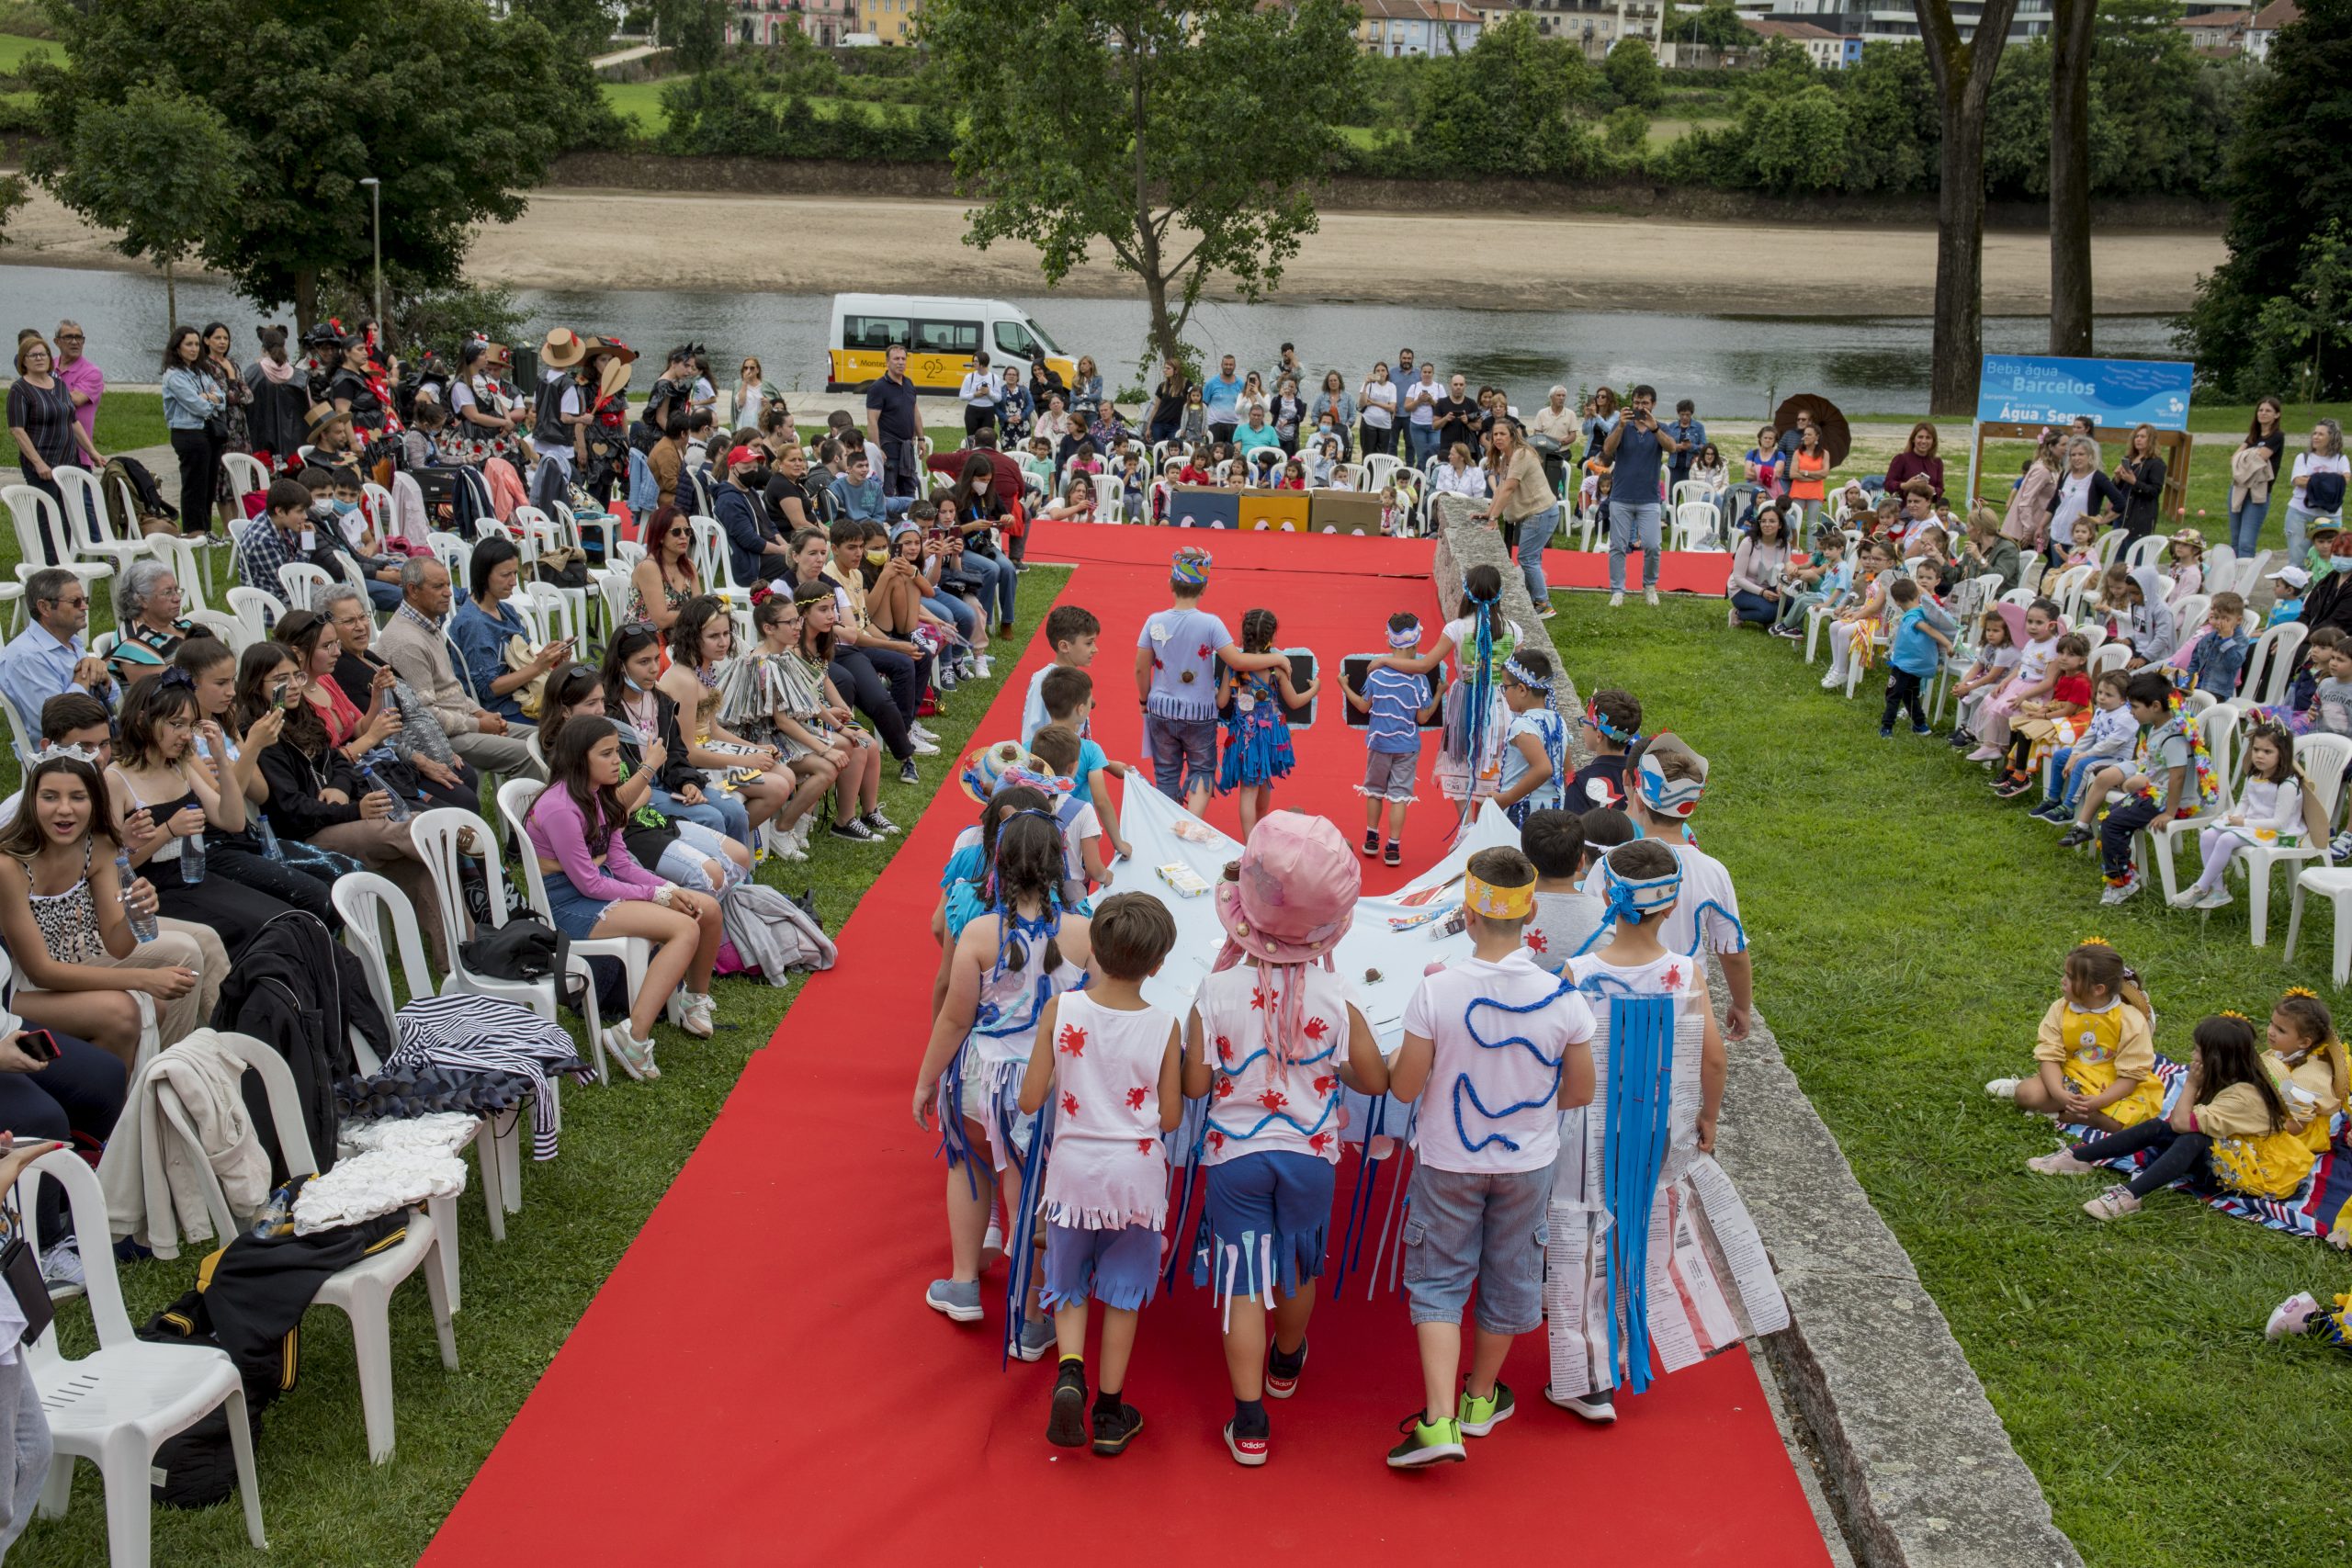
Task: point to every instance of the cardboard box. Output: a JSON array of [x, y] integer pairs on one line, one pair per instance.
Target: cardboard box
[[1275, 511], [1345, 511], [1204, 506]]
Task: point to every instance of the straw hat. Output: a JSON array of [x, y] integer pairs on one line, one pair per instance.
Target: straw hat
[[564, 349], [2192, 538]]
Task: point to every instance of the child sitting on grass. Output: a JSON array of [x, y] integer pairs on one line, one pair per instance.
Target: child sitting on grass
[[2229, 1130], [2308, 1066], [2037, 722], [2000, 640], [2269, 811], [2214, 654], [1918, 649], [2095, 1056], [1614, 718]]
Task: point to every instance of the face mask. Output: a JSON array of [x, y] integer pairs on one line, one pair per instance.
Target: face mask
[[978, 486], [346, 508], [756, 478], [877, 558], [2339, 563]]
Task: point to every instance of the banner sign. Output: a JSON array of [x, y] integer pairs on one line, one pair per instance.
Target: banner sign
[[2016, 389]]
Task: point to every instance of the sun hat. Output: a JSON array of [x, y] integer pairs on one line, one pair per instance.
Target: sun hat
[[1294, 894], [2191, 537], [564, 349], [983, 769]]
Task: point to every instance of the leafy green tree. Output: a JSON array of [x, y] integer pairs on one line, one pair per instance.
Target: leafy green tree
[[1964, 70], [1185, 140], [1890, 126], [583, 29], [1626, 132], [1507, 106], [13, 194], [1800, 141], [1633, 74], [162, 169], [456, 112], [2283, 192], [1714, 25], [694, 31], [2310, 325]]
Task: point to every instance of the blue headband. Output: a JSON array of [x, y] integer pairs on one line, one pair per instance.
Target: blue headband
[[1526, 677], [1409, 637], [1667, 797], [1630, 901]]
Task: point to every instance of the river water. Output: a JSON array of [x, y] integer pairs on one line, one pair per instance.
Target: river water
[[1728, 364]]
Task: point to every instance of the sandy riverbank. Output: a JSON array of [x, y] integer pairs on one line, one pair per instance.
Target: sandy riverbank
[[613, 239]]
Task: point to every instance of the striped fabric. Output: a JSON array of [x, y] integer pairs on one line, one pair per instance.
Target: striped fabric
[[483, 1034]]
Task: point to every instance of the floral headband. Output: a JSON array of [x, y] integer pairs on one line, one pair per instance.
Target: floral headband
[[1498, 903]]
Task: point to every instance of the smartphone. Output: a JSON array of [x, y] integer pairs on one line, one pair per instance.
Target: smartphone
[[39, 1045], [281, 692]]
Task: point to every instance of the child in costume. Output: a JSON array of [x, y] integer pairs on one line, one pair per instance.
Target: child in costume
[[1470, 758], [1614, 718], [2270, 810], [1535, 757], [2170, 776], [2095, 1054], [2308, 1066], [1257, 725], [1565, 917], [1008, 964], [2229, 1129], [1495, 1048], [1056, 749], [1852, 630], [1178, 655], [1108, 1061], [1665, 783], [1273, 1037], [1395, 704], [1645, 1228], [1827, 579], [1070, 700], [1999, 642], [2040, 723], [2105, 735]]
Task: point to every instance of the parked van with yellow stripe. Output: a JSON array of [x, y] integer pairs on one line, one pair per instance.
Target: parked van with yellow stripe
[[941, 334]]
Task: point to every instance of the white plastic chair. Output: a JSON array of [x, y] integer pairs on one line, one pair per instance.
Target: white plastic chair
[[2110, 545], [2323, 758], [437, 833], [1376, 469], [251, 605], [362, 1292], [2269, 663], [453, 552], [2022, 598], [2221, 567], [303, 583], [1694, 528], [2221, 726], [225, 626], [30, 509], [2189, 614], [117, 1405], [86, 520], [2335, 887], [2250, 573], [22, 735], [2106, 656], [365, 901], [514, 799], [187, 568], [551, 610], [2147, 550], [246, 475]]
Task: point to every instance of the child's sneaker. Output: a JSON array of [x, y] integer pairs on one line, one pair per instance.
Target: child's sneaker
[[2121, 888], [636, 1056], [1601, 1407], [1983, 754], [1065, 1426], [1832, 681], [1886, 733], [2112, 1204], [2051, 812], [1394, 854], [1115, 1427], [1961, 739], [2003, 1089], [1923, 730], [1247, 1451], [1427, 1442], [2015, 785], [1371, 842], [878, 824], [2060, 1162], [2290, 1316], [1479, 1417], [958, 1299], [1282, 1372], [2076, 837], [2213, 900], [1036, 1338]]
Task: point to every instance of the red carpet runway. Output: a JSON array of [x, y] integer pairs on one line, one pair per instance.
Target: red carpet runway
[[759, 1382]]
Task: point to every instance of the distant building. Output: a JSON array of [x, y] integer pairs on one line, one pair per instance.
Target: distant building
[[2265, 26], [826, 22], [1395, 27], [2217, 34], [1594, 26], [1890, 21], [1828, 51]]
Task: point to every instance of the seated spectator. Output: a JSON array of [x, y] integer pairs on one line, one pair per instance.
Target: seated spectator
[[807, 719], [1757, 569], [756, 551], [345, 527], [1458, 475], [1708, 470], [286, 531], [1076, 504], [883, 672], [62, 919], [858, 491], [665, 579], [485, 624], [413, 644], [678, 851], [81, 1090], [702, 643], [1255, 433], [47, 658], [654, 740], [596, 889], [821, 646], [230, 756], [439, 777], [1987, 550], [147, 596]]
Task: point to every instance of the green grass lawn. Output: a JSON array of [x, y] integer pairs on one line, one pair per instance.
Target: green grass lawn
[[641, 101], [15, 48], [1908, 931]]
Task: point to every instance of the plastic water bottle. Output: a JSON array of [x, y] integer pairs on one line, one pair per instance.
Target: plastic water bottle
[[141, 926], [398, 812], [192, 859]]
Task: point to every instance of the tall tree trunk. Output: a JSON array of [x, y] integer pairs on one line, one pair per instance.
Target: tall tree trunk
[[2070, 177], [171, 300], [306, 299], [1963, 72]]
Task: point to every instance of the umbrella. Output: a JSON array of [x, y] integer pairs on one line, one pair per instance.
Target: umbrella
[[1835, 438]]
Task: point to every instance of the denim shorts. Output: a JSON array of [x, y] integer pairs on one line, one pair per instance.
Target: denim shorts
[[1267, 1213], [569, 910], [1177, 744], [1483, 1227], [1117, 1268], [1388, 775]]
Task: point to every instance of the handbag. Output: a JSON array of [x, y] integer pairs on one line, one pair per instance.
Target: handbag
[[20, 1267]]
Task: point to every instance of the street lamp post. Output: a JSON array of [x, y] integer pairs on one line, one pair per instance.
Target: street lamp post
[[375, 199]]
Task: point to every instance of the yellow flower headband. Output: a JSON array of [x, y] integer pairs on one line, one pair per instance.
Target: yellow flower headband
[[1498, 903], [2233, 1013], [2095, 941], [2304, 991]]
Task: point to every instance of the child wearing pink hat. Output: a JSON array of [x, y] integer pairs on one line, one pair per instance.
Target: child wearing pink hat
[[1273, 1037]]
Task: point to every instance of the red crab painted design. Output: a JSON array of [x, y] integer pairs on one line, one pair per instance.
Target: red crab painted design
[[1069, 1104], [1217, 1139], [1273, 1099], [1071, 1041], [1136, 1098], [1144, 1145], [1225, 1088], [1536, 943], [1325, 1084], [1320, 1143], [1224, 1049]]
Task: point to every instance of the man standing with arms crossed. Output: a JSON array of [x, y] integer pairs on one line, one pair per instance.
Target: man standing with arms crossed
[[892, 424]]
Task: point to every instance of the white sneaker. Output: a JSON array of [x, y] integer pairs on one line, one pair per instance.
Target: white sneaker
[[2003, 1089], [61, 1264], [2060, 1162], [2120, 891], [1616, 599], [920, 746], [1832, 681], [636, 1056], [982, 668], [1649, 596], [2287, 1316], [923, 732], [696, 1013], [2215, 899]]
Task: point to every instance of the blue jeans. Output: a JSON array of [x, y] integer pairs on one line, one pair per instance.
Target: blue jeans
[[725, 813], [384, 596], [1628, 521], [1421, 442], [2246, 527], [1755, 609], [998, 578], [1535, 533]]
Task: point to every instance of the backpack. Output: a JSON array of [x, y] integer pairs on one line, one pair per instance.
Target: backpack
[[772, 934], [146, 510]]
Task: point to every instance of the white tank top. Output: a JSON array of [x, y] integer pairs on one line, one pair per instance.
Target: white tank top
[[1004, 1025], [1258, 1102], [1109, 1166]]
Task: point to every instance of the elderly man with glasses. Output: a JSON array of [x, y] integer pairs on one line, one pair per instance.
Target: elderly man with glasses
[[411, 643], [48, 657]]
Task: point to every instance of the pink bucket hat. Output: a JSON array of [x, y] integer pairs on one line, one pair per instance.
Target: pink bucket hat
[[1295, 894]]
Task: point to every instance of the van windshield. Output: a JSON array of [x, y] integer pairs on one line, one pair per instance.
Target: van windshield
[[1048, 343]]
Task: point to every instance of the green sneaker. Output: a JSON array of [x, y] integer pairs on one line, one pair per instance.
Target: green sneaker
[[1427, 1442], [1480, 1417]]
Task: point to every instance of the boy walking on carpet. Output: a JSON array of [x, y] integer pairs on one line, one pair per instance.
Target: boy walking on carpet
[[1108, 1060], [1273, 1037], [1495, 1048], [1397, 703], [1176, 655], [1072, 631]]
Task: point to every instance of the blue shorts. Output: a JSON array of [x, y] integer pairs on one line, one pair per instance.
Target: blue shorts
[[572, 911], [1268, 1214], [1117, 1268], [1483, 1227], [1178, 745]]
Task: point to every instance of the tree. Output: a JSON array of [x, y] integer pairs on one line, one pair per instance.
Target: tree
[[1506, 106], [2070, 175], [1633, 74], [2281, 192], [1799, 142], [456, 112], [1964, 71], [694, 31], [2314, 316], [1186, 139], [13, 194], [1714, 25], [160, 166]]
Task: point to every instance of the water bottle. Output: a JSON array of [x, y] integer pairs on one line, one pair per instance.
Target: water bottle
[[141, 926], [192, 858], [268, 838], [398, 812]]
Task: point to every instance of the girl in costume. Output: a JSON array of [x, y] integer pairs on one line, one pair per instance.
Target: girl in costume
[[1644, 1142], [1007, 964], [1274, 1034], [1535, 763], [2307, 1064], [1470, 751], [2229, 1129], [2269, 811], [2096, 1055], [1257, 724]]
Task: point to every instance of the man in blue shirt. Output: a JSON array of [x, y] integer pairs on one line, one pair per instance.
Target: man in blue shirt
[[1684, 437], [1221, 395], [1634, 448], [47, 658]]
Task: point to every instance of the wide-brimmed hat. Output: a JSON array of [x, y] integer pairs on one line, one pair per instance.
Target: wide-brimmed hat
[[498, 353], [1294, 895], [319, 417], [562, 349]]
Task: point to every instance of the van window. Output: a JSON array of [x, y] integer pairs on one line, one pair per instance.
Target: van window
[[1013, 338], [947, 337], [874, 332]]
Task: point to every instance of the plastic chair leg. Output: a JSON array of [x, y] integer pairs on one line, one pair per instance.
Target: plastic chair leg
[[2168, 875], [241, 1444], [443, 1210], [371, 1344], [130, 1499], [444, 1304], [595, 1017], [57, 1491], [2343, 970], [2257, 898], [493, 1198], [508, 1149], [2294, 924]]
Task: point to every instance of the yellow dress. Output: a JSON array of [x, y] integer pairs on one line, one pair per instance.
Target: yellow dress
[[2094, 1049], [2309, 1089], [2249, 1155]]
